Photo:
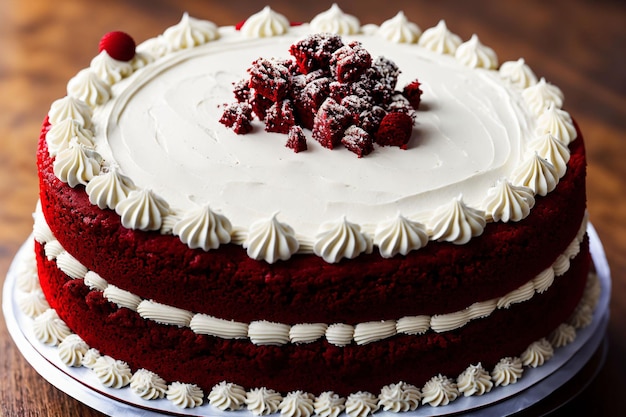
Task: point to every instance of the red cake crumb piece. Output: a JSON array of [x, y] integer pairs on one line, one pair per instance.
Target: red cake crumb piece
[[119, 45], [260, 105], [241, 89], [309, 99], [358, 141], [350, 61], [370, 120], [238, 116], [280, 117], [296, 139], [330, 122], [315, 52], [413, 93], [269, 79], [395, 130]]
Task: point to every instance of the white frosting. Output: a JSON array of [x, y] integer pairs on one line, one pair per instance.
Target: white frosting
[[558, 123], [552, 150], [541, 95], [399, 30], [399, 398], [264, 24], [122, 298], [263, 401], [562, 335], [361, 404], [413, 324], [148, 385], [456, 222], [49, 328], [189, 32], [537, 174], [179, 94], [544, 280], [32, 303], [110, 70], [88, 87], [440, 40], [264, 332], [340, 334], [297, 404], [519, 295], [439, 390], [537, 353], [400, 235], [271, 240], [369, 332], [507, 371], [475, 380], [90, 358], [61, 134], [70, 108], [507, 202], [72, 350], [203, 228], [109, 188], [164, 314], [334, 20], [77, 164], [226, 329], [142, 209], [476, 55], [95, 281], [307, 332], [70, 266], [185, 395], [518, 73], [227, 396], [112, 373], [340, 240], [53, 249], [329, 404]]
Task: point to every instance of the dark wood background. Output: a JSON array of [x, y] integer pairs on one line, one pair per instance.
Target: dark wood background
[[576, 44]]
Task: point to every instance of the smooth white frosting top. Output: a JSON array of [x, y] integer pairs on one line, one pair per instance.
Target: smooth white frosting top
[[161, 130]]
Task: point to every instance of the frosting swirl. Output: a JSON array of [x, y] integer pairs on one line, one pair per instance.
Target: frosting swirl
[[112, 373], [270, 241], [265, 24], [88, 87], [297, 404], [49, 328], [518, 73], [440, 40], [399, 398], [264, 332], [227, 396], [457, 223], [263, 401], [148, 385], [70, 108], [507, 371], [341, 240], [399, 30], [552, 150], [72, 350], [77, 164], [361, 404], [476, 55], [540, 96], [109, 188], [439, 390], [203, 228], [537, 174], [164, 314], [32, 303], [190, 32], [63, 133], [507, 202], [185, 395], [334, 20], [475, 380], [110, 70], [142, 210], [329, 404], [537, 353], [400, 235], [557, 122]]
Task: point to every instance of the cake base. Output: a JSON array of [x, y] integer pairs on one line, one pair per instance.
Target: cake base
[[585, 353]]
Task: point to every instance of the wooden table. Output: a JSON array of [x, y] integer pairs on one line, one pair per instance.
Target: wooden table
[[578, 45]]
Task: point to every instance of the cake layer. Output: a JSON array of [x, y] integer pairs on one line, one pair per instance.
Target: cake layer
[[439, 278], [179, 354]]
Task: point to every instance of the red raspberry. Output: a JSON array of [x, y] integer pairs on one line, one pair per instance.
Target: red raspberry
[[395, 130], [413, 93], [296, 139], [119, 45], [358, 141]]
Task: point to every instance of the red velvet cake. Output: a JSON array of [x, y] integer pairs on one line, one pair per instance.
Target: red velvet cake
[[310, 219]]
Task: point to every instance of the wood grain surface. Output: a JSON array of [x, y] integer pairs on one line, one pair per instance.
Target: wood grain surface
[[578, 45]]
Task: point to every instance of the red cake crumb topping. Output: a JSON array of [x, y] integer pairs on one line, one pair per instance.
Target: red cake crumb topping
[[296, 139], [119, 45], [337, 91]]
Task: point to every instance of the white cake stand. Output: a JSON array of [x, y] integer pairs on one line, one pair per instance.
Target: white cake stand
[[586, 353]]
